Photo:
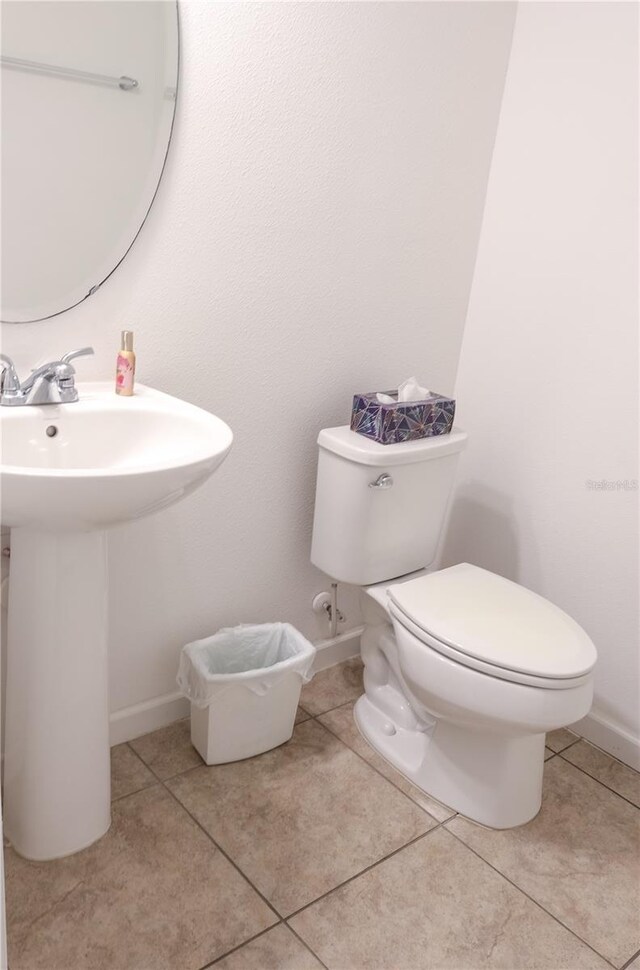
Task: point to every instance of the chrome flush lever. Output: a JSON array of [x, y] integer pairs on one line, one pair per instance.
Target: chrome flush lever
[[382, 481]]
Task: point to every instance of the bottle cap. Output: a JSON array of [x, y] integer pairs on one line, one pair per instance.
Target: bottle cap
[[126, 340]]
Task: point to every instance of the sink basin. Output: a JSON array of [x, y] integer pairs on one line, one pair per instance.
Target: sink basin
[[109, 459], [67, 473]]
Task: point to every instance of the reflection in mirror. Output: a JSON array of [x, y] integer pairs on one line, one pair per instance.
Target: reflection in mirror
[[88, 100]]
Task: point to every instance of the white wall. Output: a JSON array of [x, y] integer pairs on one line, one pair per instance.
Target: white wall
[[314, 235], [548, 378]]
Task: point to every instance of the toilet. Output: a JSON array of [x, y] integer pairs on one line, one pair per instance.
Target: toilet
[[464, 670]]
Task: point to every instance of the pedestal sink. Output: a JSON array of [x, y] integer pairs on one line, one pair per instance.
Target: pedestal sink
[[67, 473]]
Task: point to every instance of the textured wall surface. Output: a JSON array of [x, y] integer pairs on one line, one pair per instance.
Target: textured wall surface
[[548, 379], [314, 235]]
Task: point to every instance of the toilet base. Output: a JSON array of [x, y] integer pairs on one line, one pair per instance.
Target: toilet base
[[489, 778]]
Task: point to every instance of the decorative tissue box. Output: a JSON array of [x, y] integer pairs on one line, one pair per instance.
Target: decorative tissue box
[[389, 424]]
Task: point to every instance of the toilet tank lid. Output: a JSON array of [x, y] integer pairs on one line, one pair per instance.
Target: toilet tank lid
[[363, 451], [495, 620]]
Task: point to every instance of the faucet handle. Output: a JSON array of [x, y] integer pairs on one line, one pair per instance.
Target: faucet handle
[[84, 352], [10, 380]]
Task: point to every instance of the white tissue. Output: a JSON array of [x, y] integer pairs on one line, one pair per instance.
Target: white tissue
[[409, 390]]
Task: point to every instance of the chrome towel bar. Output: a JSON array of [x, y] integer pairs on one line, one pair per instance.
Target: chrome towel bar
[[18, 64]]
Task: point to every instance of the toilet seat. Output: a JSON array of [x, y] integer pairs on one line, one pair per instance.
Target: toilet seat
[[488, 623]]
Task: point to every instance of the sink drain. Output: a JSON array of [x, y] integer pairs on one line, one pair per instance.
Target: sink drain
[[51, 431]]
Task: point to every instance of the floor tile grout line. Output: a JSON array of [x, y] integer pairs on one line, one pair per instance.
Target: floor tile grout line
[[234, 949], [284, 919], [439, 824], [362, 872], [144, 764], [147, 766], [225, 854], [333, 888], [157, 780], [257, 936], [178, 774], [136, 755], [373, 767], [136, 791], [593, 778], [567, 746], [377, 770], [630, 961], [306, 945], [161, 782], [608, 754], [350, 700], [530, 898], [152, 769]]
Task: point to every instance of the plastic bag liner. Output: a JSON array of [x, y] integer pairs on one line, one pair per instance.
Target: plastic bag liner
[[251, 656]]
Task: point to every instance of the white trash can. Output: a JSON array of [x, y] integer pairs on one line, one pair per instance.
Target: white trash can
[[244, 685]]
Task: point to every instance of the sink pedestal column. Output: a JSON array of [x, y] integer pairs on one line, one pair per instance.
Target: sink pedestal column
[[57, 773]]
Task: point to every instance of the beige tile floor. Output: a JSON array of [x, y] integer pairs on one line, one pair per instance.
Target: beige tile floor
[[318, 854]]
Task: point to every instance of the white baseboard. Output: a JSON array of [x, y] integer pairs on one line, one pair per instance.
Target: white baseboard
[[611, 738], [132, 722], [332, 652]]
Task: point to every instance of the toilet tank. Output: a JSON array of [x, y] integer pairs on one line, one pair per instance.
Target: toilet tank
[[379, 508]]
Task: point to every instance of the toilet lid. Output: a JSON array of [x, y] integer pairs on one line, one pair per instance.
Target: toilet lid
[[491, 619]]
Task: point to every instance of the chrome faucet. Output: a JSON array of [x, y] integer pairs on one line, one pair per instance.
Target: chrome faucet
[[53, 383]]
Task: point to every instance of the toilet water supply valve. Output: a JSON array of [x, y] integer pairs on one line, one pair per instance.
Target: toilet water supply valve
[[328, 603]]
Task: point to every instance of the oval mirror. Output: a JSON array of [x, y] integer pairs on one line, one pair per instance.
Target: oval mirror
[[88, 100]]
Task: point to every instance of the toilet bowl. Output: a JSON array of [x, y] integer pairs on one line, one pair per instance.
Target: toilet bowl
[[464, 729], [464, 670]]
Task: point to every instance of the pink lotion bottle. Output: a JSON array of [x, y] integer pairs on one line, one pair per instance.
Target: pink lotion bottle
[[125, 365]]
